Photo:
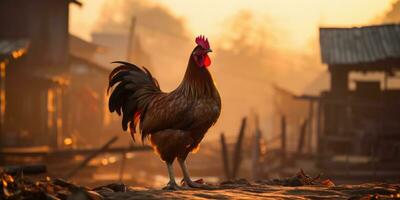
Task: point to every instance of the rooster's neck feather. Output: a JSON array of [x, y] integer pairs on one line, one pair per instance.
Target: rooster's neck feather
[[197, 81]]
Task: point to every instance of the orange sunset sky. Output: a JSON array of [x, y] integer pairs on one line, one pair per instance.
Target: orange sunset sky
[[297, 19]]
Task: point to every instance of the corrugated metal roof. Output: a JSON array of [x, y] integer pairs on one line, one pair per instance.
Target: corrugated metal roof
[[13, 48], [359, 44]]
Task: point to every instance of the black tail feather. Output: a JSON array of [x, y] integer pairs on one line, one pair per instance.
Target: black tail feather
[[134, 91], [125, 66]]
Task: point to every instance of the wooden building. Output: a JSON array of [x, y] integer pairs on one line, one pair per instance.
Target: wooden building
[[56, 91], [35, 83], [358, 120], [10, 50], [88, 114]]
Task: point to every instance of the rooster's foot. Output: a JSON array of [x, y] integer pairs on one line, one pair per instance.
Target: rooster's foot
[[199, 185], [172, 186]]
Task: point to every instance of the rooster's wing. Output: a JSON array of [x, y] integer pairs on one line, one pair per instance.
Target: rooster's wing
[[168, 111]]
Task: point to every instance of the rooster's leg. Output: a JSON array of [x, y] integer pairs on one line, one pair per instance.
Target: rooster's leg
[[187, 179], [171, 184]]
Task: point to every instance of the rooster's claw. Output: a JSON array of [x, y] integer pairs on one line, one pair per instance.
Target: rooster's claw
[[172, 186]]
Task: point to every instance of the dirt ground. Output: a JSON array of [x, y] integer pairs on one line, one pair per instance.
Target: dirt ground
[[264, 191], [300, 186]]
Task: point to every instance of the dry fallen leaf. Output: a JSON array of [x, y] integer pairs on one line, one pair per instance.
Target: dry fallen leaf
[[8, 178], [6, 192], [327, 182], [95, 195], [4, 183]]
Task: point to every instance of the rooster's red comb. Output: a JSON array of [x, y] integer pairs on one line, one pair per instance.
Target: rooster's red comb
[[202, 41]]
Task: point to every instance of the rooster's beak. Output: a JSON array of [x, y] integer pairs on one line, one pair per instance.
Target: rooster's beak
[[209, 50]]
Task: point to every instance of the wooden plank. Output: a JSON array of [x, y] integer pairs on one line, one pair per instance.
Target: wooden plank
[[303, 131], [320, 127], [225, 157], [256, 150], [310, 127], [283, 140], [237, 156], [25, 169]]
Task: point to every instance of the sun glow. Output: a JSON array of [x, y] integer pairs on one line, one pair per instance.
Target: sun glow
[[67, 141], [298, 20]]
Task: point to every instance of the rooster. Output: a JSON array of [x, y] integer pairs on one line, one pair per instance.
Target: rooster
[[175, 122]]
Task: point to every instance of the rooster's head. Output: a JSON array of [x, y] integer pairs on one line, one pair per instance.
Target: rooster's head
[[200, 52]]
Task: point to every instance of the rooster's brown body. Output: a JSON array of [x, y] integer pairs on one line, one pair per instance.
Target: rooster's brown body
[[175, 122]]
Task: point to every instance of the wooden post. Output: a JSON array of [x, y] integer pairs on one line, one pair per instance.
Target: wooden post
[[310, 128], [122, 167], [238, 149], [225, 158], [303, 131], [283, 140], [90, 157], [129, 49], [385, 81], [256, 150], [319, 145]]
